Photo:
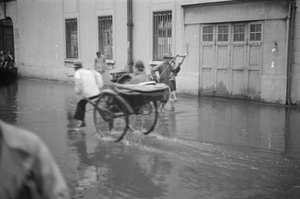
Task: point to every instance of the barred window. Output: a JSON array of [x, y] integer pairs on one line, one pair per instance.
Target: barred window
[[71, 38], [255, 32], [105, 24], [239, 33], [162, 34], [223, 33], [207, 33]]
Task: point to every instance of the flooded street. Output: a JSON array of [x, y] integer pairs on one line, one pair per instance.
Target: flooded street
[[207, 148]]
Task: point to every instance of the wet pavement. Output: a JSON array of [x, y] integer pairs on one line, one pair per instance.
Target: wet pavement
[[207, 148]]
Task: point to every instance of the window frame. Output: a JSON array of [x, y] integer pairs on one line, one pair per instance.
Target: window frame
[[68, 39], [255, 42], [223, 34], [162, 34], [106, 37], [207, 35]]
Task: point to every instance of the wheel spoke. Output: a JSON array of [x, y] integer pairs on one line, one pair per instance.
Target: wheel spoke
[[111, 116], [145, 118]]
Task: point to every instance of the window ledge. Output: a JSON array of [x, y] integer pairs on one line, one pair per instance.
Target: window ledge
[[110, 61], [69, 62], [154, 63], [110, 64]]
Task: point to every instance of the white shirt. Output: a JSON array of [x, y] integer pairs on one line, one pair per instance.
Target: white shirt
[[87, 83]]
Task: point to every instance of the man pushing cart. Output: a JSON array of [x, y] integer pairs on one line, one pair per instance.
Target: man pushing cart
[[165, 70]]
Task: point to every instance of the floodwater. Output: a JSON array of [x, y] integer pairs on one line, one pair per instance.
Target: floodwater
[[207, 148]]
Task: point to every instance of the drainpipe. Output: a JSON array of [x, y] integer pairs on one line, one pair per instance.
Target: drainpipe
[[290, 48], [129, 35]]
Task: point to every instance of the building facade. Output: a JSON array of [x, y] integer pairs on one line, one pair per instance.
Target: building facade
[[248, 49]]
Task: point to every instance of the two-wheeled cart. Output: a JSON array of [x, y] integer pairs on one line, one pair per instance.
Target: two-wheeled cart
[[123, 77], [123, 107]]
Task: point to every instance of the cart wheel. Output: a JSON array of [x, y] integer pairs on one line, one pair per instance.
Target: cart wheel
[[111, 116], [145, 118]]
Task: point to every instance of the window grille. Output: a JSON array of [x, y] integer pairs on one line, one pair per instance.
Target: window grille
[[162, 34], [255, 32], [105, 36], [71, 38], [207, 33], [223, 33], [239, 33]]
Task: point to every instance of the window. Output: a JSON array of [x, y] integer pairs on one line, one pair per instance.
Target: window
[[238, 33], [105, 36], [207, 34], [223, 33], [255, 32], [71, 38], [162, 34]]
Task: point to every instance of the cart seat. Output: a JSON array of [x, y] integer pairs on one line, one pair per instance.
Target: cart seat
[[147, 88]]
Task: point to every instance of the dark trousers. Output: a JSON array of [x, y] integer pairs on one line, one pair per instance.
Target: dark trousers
[[80, 109]]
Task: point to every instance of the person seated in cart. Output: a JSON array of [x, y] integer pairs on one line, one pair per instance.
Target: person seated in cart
[[164, 69], [140, 74], [87, 86]]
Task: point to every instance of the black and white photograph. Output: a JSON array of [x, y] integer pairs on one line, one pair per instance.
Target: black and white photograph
[[149, 99]]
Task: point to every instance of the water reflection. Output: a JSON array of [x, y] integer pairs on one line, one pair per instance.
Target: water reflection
[[166, 124], [292, 136], [8, 105], [242, 124], [36, 104], [112, 170], [206, 148], [122, 174]]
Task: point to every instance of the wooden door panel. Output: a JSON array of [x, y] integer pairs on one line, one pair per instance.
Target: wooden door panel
[[222, 82], [238, 87], [207, 60], [254, 83], [223, 57], [254, 71], [208, 80], [207, 56], [255, 57], [238, 57]]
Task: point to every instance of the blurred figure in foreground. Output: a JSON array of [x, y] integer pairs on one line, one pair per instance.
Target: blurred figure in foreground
[[27, 168]]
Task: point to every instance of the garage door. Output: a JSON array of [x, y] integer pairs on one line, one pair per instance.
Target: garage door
[[231, 59]]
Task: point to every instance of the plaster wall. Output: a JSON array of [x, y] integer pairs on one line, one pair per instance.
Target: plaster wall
[[142, 35], [120, 34], [188, 79], [231, 12], [274, 79], [88, 40], [40, 39], [295, 88]]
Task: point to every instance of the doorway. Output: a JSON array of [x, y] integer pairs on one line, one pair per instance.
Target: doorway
[[6, 35], [231, 59]]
